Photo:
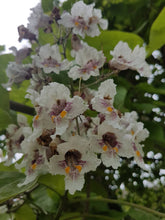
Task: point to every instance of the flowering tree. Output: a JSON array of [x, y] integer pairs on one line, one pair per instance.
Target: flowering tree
[[83, 90]]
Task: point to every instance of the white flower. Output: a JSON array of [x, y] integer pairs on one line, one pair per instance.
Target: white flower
[[49, 58], [15, 136], [37, 20], [38, 147], [84, 19], [17, 73], [124, 58], [74, 159], [89, 60], [60, 108], [111, 143], [103, 101], [138, 155], [135, 133]]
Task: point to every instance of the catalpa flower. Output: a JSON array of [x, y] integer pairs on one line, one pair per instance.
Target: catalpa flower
[[74, 160], [89, 60], [38, 148], [49, 58], [84, 19], [124, 58], [15, 135], [38, 20], [60, 108], [17, 73], [111, 143], [103, 101]]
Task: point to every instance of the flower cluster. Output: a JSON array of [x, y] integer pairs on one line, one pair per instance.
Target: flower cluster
[[75, 128]]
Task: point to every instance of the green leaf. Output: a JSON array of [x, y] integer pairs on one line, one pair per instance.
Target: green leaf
[[46, 38], [5, 119], [149, 88], [71, 215], [25, 213], [47, 5], [18, 93], [4, 103], [139, 215], [4, 60], [8, 184], [144, 107], [107, 40], [90, 113], [157, 33], [120, 98], [45, 199], [5, 216], [156, 132], [55, 182], [2, 48], [7, 168]]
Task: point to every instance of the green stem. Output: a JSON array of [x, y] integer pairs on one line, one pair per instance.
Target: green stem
[[22, 108], [102, 217], [102, 77], [77, 124], [98, 199], [79, 87], [61, 206], [51, 189]]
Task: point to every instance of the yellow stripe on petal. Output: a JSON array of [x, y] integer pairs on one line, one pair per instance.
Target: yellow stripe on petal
[[33, 166], [78, 167], [63, 113], [53, 117], [109, 109], [132, 132], [76, 23], [138, 153], [116, 149], [36, 117], [67, 170], [105, 147]]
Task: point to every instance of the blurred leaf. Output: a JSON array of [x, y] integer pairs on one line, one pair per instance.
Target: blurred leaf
[[5, 216], [61, 78], [90, 113], [55, 182], [157, 33], [98, 188], [117, 215], [5, 119], [120, 98], [44, 198], [156, 131], [2, 48], [4, 60], [46, 38], [70, 215], [8, 184], [7, 168], [139, 215], [150, 88], [107, 40], [25, 213], [18, 93], [4, 103], [47, 5], [144, 107]]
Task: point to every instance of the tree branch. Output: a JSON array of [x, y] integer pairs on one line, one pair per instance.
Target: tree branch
[[99, 199], [22, 108]]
